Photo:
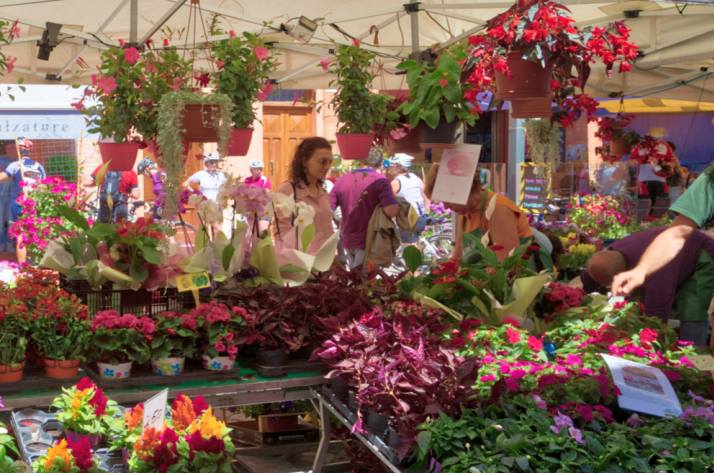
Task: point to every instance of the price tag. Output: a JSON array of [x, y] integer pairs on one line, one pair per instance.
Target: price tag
[[193, 281], [155, 411]]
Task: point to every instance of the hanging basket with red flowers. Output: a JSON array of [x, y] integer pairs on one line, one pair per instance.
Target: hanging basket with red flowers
[[616, 141], [543, 32], [656, 152]]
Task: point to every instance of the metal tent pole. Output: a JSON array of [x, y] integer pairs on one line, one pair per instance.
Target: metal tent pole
[[413, 9], [134, 21]]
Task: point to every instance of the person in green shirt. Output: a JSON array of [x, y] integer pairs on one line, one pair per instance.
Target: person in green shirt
[[694, 209]]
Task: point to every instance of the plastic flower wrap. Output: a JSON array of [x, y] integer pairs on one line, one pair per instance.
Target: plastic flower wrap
[[85, 409], [67, 456], [194, 440]]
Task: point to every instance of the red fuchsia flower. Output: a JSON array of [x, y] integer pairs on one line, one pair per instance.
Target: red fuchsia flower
[[165, 42], [10, 63], [231, 33], [78, 105], [647, 336], [131, 55], [356, 42], [443, 82], [325, 63], [202, 79], [106, 84], [261, 53], [15, 30], [265, 91], [219, 64]]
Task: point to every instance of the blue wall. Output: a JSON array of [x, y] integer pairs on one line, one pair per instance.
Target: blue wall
[[692, 133]]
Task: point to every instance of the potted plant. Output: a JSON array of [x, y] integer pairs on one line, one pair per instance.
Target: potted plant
[[128, 431], [7, 450], [611, 130], [165, 71], [222, 331], [116, 99], [14, 324], [60, 331], [86, 413], [207, 117], [358, 109], [533, 54], [174, 339], [119, 341], [437, 100], [243, 67], [66, 456], [194, 440]]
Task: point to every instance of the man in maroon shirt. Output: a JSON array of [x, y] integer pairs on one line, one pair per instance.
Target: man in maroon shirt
[[357, 194], [663, 287]]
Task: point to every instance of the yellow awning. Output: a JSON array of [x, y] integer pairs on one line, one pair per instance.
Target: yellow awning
[[654, 105]]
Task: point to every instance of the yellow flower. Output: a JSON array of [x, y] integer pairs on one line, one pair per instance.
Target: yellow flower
[[208, 425], [77, 401], [59, 450]]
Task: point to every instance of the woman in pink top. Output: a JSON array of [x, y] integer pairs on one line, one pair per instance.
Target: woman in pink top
[[311, 163], [256, 177]]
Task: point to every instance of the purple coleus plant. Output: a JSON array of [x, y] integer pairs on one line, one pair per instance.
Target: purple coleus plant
[[400, 365]]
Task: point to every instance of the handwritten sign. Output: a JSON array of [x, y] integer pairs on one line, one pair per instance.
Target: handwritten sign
[[193, 281], [155, 411], [456, 174], [535, 187]]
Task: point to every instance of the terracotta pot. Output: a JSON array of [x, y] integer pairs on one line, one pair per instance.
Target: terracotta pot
[[528, 79], [172, 366], [443, 133], [354, 145], [121, 156], [619, 147], [531, 108], [218, 363], [75, 437], [239, 143], [61, 369], [198, 123], [117, 371], [11, 373]]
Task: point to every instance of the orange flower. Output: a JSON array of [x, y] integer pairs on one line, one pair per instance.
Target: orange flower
[[208, 425], [134, 417], [144, 447], [59, 451], [182, 413]]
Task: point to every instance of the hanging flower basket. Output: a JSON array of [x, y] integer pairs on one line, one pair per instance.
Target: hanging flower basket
[[531, 108], [121, 156], [528, 79], [354, 145], [201, 122], [618, 147], [239, 143]]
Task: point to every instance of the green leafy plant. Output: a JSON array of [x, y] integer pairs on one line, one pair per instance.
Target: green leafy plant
[[435, 90], [84, 409], [121, 338], [7, 447], [244, 64], [176, 335], [14, 325], [358, 109], [170, 137], [165, 71], [116, 94], [60, 327]]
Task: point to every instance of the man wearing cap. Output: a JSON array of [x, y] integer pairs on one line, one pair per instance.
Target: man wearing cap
[[684, 286], [256, 177], [210, 179], [409, 186]]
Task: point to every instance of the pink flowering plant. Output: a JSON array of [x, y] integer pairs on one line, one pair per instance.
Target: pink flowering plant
[[39, 222], [243, 67], [9, 30], [223, 330], [603, 216], [115, 95], [118, 338], [175, 335]]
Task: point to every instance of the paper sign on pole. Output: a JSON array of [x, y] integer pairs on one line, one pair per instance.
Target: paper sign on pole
[[643, 388], [456, 174], [155, 411], [193, 281]]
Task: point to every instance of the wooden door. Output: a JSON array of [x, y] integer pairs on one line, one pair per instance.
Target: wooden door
[[283, 129]]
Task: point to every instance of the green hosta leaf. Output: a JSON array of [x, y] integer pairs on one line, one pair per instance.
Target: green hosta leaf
[[227, 256], [431, 117], [151, 255], [413, 258], [308, 234], [73, 216]]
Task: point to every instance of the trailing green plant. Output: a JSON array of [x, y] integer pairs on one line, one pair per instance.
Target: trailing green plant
[[358, 109], [436, 91], [170, 133], [7, 447], [543, 138], [165, 71], [243, 67]]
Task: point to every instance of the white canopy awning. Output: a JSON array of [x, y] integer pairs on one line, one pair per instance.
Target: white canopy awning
[[677, 38]]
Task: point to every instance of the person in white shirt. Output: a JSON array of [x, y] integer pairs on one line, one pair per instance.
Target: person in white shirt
[[653, 182], [210, 179], [409, 186]]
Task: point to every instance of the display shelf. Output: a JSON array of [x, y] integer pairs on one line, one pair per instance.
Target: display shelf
[[375, 444]]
